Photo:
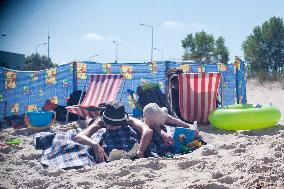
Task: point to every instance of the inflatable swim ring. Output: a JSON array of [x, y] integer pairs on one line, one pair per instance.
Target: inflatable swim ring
[[244, 117]]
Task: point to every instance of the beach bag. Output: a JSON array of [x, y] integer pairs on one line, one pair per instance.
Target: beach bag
[[40, 120]]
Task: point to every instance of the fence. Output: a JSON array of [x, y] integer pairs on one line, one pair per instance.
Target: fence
[[26, 91]]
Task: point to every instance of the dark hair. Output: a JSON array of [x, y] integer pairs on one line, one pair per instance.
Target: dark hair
[[173, 71]]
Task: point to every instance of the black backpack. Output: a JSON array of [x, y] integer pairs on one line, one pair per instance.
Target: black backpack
[[61, 111], [150, 93]]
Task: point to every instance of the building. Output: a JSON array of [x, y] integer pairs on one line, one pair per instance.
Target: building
[[11, 60]]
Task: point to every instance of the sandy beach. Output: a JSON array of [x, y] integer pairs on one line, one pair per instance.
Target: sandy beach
[[244, 159]]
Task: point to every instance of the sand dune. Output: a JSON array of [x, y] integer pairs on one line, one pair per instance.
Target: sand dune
[[245, 159]]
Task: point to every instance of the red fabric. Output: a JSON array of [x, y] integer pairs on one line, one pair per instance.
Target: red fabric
[[83, 112], [103, 88], [198, 93]]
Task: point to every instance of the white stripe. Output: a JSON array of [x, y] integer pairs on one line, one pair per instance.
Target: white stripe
[[199, 97], [113, 92], [88, 96], [212, 92], [111, 119], [96, 92], [102, 90], [184, 95], [191, 97], [108, 89], [206, 98]]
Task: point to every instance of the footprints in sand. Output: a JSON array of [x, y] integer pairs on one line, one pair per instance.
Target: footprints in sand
[[227, 180], [84, 184], [209, 151], [31, 156], [189, 164], [41, 183], [278, 149], [217, 175], [238, 149], [209, 186], [127, 184], [155, 165], [126, 176], [122, 173], [227, 146], [278, 154]]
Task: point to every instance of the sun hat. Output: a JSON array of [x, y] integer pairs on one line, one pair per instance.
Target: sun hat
[[114, 114], [154, 114]]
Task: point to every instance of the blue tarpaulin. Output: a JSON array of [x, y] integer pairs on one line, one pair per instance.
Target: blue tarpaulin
[[26, 91]]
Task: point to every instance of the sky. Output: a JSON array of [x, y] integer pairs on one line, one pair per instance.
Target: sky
[[80, 29]]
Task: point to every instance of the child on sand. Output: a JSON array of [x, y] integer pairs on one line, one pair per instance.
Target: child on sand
[[156, 117]]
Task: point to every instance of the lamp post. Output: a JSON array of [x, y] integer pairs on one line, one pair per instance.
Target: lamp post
[[92, 57], [152, 29], [161, 51], [116, 49], [40, 45]]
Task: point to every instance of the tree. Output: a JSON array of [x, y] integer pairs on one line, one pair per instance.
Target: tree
[[264, 48], [36, 62], [221, 53], [203, 46]]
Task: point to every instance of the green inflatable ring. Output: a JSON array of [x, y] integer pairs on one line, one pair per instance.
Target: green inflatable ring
[[244, 117]]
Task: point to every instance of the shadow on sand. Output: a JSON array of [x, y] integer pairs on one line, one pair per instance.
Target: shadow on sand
[[207, 128]]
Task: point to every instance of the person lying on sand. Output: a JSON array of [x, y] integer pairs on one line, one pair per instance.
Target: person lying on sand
[[122, 132], [156, 117]]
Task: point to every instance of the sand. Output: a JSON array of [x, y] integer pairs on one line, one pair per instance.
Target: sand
[[244, 159]]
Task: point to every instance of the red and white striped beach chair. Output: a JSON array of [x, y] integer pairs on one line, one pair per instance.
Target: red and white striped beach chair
[[197, 95], [102, 88]]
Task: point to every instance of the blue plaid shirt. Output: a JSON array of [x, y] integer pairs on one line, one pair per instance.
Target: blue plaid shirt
[[125, 137], [122, 138]]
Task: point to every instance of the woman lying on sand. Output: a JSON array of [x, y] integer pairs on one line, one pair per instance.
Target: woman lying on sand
[[122, 132]]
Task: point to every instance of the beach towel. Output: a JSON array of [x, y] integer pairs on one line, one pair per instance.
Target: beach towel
[[65, 153], [61, 151]]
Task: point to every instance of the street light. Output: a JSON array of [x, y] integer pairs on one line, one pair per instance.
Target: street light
[[152, 28], [116, 45], [161, 51], [92, 57], [40, 45]]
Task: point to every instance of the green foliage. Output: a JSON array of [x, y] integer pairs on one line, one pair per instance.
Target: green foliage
[[264, 77], [221, 53], [203, 46], [36, 62], [264, 48]]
